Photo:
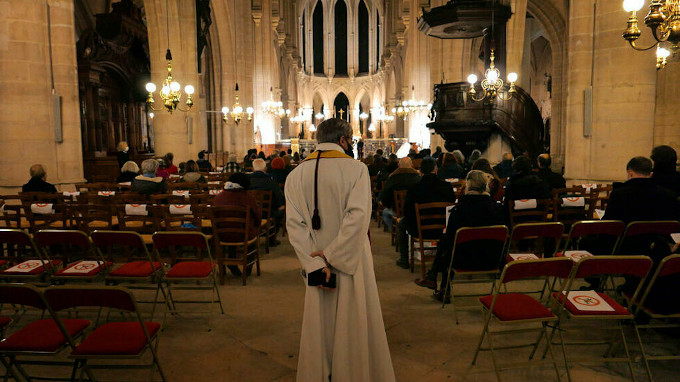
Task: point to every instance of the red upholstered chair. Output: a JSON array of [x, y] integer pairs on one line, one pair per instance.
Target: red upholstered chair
[[111, 340], [521, 309], [133, 264], [23, 260], [610, 229], [583, 306], [42, 337], [650, 229], [543, 239], [653, 302], [75, 248], [198, 272], [497, 235]]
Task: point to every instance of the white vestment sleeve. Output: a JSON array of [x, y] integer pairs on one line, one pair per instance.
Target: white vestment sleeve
[[345, 251], [300, 237]]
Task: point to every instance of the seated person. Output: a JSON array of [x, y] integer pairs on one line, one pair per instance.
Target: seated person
[[552, 179], [401, 179], [525, 184], [128, 172], [232, 166], [162, 169], [279, 172], [37, 182], [260, 180], [504, 168], [474, 209], [170, 167], [191, 173], [429, 189], [665, 161], [235, 194], [148, 182], [203, 164], [450, 169]]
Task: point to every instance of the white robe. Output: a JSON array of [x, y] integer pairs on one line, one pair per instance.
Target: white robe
[[343, 333]]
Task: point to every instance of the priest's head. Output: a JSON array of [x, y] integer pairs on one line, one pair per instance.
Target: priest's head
[[335, 130]]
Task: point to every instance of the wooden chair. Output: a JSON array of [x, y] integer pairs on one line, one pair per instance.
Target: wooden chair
[[91, 217], [431, 221], [267, 228], [599, 198], [570, 205], [141, 218], [519, 214], [178, 217], [230, 227], [13, 213]]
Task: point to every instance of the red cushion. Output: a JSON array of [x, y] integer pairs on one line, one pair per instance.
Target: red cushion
[[43, 335], [516, 306], [4, 321], [618, 309], [139, 268], [3, 262], [116, 338], [34, 271], [190, 269], [94, 271]]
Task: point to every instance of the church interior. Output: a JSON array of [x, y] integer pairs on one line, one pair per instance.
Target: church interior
[[586, 81]]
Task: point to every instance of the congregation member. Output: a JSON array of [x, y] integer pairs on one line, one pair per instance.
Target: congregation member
[[429, 189], [38, 181], [279, 171], [232, 166], [665, 174], [192, 173], [203, 164], [552, 179], [162, 169], [474, 209], [401, 179], [495, 187], [329, 197], [235, 194], [525, 184], [504, 168], [450, 169], [474, 155], [260, 180], [123, 153], [390, 167], [170, 167], [148, 182], [460, 158], [128, 172]]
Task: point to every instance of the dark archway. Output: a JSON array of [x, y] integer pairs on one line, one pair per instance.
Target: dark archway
[[363, 37], [340, 37], [341, 107], [377, 41], [317, 31], [304, 42]]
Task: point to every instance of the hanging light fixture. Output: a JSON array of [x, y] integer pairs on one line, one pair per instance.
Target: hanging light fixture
[[171, 90], [274, 108], [492, 84], [664, 21], [402, 109]]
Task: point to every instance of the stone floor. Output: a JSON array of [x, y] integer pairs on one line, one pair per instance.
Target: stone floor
[[258, 337]]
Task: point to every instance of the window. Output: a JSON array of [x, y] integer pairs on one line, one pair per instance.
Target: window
[[317, 20], [340, 37], [363, 37]]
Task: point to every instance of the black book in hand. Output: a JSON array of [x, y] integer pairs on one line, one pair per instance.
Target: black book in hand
[[317, 278]]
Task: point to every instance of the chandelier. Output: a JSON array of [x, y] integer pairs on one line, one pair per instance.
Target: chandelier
[[492, 84], [273, 107], [403, 108], [664, 21], [237, 113]]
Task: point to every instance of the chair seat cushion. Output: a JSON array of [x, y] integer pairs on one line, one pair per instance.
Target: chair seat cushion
[[3, 263], [139, 268], [619, 310], [43, 335], [29, 267], [516, 306], [82, 269], [116, 338], [190, 269]]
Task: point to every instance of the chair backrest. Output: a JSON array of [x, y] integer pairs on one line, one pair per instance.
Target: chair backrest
[[570, 204], [634, 266], [67, 297], [230, 222], [49, 237], [125, 238], [669, 266], [399, 199], [264, 201], [130, 220], [431, 218], [527, 269], [659, 227], [543, 238], [93, 216], [613, 229], [538, 214], [495, 233], [22, 294], [174, 240], [181, 217]]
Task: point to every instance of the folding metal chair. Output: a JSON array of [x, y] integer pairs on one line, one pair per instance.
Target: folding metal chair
[[582, 306], [640, 234], [654, 303], [132, 338], [39, 338], [75, 248], [521, 309], [610, 230], [493, 236], [133, 264], [187, 273], [25, 262]]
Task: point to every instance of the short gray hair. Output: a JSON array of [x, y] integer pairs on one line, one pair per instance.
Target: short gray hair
[[149, 165], [259, 165], [130, 166], [476, 181], [332, 129]]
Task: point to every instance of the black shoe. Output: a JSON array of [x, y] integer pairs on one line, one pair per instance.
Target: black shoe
[[426, 283], [234, 270], [403, 264]]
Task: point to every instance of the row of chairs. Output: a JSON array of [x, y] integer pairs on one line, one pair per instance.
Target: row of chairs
[[178, 261], [566, 308], [89, 341]]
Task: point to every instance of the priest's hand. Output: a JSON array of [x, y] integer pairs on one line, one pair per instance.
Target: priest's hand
[[319, 254], [326, 271]]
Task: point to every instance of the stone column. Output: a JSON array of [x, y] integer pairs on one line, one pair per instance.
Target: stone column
[[666, 131], [515, 36], [26, 123]]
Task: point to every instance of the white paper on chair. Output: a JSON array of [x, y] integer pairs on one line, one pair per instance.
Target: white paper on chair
[[577, 201], [522, 256], [125, 184], [84, 266], [106, 193], [215, 192], [589, 186], [448, 213], [136, 209], [589, 300], [675, 237], [427, 245], [214, 182], [525, 204], [74, 194], [42, 208], [180, 209], [26, 266], [577, 255], [452, 180], [184, 193], [599, 213], [174, 176]]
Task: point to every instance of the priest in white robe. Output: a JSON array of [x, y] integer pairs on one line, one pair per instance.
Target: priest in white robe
[[343, 334]]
